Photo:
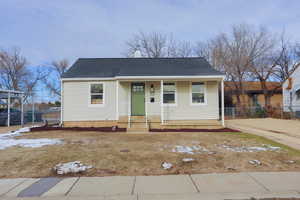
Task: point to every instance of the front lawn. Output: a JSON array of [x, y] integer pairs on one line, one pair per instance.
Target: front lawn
[[142, 154]]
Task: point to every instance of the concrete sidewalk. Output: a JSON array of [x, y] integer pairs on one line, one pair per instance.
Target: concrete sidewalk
[[175, 187]]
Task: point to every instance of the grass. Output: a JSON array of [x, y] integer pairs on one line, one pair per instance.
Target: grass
[[142, 154]]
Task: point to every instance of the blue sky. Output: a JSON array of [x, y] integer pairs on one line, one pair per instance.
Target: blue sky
[[47, 30]]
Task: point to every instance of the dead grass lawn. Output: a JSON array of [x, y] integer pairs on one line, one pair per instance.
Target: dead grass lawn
[[146, 152]]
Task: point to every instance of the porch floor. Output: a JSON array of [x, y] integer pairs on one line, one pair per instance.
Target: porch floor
[[187, 124]]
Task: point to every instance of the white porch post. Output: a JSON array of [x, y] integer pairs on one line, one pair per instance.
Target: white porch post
[[8, 109], [117, 100], [129, 105], [222, 103], [146, 104], [162, 102], [22, 110], [61, 102]]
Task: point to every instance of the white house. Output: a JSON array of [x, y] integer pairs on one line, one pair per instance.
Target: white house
[[291, 92], [142, 93]]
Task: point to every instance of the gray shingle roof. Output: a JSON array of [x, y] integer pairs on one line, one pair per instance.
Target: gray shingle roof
[[112, 67]]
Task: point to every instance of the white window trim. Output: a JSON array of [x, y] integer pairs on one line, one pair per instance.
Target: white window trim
[[205, 94], [169, 104], [90, 94]]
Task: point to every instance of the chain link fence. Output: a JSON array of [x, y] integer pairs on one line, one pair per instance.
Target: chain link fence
[[280, 112], [35, 111], [41, 113]]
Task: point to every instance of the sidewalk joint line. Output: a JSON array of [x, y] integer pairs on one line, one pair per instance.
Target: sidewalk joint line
[[17, 185], [194, 183], [259, 183], [69, 190], [133, 186]]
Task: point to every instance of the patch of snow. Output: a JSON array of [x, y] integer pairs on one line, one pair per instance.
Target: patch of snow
[[166, 165], [255, 162], [249, 149], [186, 160], [71, 167], [272, 148], [190, 150], [8, 140], [33, 143], [290, 161]]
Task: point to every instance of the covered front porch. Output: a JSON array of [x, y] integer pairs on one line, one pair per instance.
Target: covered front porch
[[170, 103]]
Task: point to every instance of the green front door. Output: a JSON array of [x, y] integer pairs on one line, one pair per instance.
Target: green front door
[[138, 99]]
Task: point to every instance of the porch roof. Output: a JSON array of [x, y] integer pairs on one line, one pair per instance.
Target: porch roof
[[5, 94], [140, 67]]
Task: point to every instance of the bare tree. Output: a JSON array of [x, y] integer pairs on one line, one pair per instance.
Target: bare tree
[[15, 74], [204, 49], [56, 69], [276, 65], [289, 60], [151, 45], [235, 53], [265, 62], [156, 44], [179, 49]]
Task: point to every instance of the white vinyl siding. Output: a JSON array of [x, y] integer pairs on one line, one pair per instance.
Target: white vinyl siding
[[185, 111], [77, 102]]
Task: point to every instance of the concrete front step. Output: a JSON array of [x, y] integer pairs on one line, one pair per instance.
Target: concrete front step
[[138, 125], [138, 119], [135, 129]]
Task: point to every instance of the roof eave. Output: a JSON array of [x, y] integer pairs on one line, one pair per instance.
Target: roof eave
[[218, 77]]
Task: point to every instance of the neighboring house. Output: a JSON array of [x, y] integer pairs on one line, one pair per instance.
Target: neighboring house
[[291, 92], [253, 94], [141, 93], [2, 104]]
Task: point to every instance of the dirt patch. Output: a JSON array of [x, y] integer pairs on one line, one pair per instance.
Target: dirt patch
[[100, 129], [4, 129], [144, 154]]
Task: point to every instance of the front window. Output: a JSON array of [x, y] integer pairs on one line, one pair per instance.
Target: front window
[[298, 94], [169, 92], [96, 92], [198, 93], [255, 100]]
